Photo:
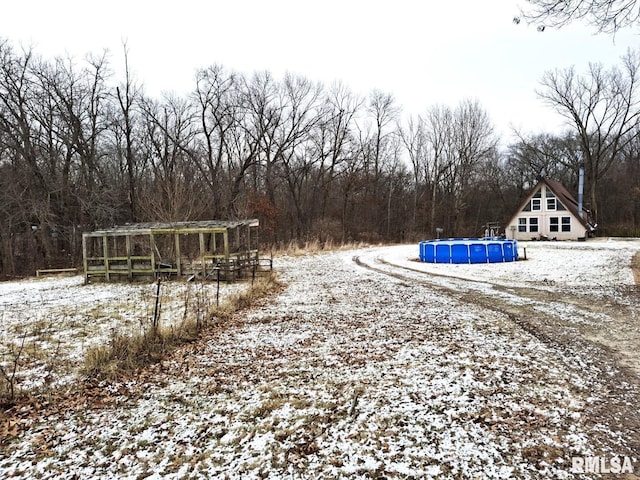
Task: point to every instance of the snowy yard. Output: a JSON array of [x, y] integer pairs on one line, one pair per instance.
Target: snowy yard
[[56, 319], [368, 365]]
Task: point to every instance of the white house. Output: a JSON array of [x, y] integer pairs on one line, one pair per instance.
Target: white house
[[550, 212]]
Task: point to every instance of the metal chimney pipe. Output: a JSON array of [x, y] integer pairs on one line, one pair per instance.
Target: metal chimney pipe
[[580, 190]]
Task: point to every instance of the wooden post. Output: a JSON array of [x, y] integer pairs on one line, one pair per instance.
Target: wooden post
[[225, 236], [85, 262], [127, 243], [255, 243], [152, 245], [178, 255], [217, 286], [202, 252], [105, 253]]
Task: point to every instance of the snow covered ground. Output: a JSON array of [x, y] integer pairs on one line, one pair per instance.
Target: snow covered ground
[[57, 319], [368, 365]]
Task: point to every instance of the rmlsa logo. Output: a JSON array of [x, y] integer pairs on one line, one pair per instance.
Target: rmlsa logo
[[601, 465]]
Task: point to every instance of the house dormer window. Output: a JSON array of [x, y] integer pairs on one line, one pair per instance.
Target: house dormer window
[[535, 204], [552, 202]]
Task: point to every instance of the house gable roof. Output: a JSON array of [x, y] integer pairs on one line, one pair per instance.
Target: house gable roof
[[563, 195]]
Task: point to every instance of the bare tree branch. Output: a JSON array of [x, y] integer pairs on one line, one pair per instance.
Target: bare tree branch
[[606, 16]]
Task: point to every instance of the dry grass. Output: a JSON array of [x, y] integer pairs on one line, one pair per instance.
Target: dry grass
[[127, 353], [296, 249]]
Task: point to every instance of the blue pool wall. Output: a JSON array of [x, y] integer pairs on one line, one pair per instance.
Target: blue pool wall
[[469, 250]]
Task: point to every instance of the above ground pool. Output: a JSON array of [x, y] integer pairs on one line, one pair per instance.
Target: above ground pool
[[469, 250]]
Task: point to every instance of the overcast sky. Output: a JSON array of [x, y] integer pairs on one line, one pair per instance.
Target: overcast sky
[[424, 52]]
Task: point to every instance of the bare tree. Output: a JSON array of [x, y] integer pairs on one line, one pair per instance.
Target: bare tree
[[395, 173], [250, 149], [414, 139], [81, 109], [603, 108], [607, 16], [376, 144], [333, 138], [173, 188], [474, 144], [217, 100], [624, 208], [127, 95], [439, 130], [458, 143], [22, 136], [293, 148], [545, 155], [349, 179]]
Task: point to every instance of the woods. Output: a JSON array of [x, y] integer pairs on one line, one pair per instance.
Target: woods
[[81, 149]]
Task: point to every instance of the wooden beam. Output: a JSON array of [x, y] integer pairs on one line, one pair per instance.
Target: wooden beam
[[178, 254], [85, 256], [46, 271], [105, 253], [127, 242], [152, 245], [202, 255]]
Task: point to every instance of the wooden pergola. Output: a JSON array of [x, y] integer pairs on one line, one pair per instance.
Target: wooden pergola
[[204, 249]]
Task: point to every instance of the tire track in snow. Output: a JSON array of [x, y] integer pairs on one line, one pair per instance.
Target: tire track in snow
[[605, 321], [597, 361]]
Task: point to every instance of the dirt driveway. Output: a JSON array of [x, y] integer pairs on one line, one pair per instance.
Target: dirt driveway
[[603, 327]]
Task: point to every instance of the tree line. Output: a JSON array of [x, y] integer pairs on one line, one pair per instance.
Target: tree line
[[81, 150]]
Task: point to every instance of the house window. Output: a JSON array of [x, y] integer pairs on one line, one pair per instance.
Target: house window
[[522, 225], [554, 224], [533, 224], [535, 204], [551, 200], [536, 201], [566, 224]]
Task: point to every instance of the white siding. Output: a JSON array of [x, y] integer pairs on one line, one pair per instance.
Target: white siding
[[545, 218]]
